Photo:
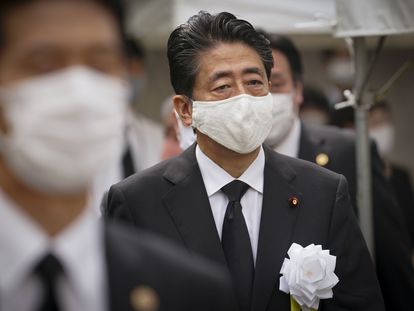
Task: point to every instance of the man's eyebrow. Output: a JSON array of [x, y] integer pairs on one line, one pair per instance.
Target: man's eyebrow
[[220, 74], [227, 73], [254, 70]]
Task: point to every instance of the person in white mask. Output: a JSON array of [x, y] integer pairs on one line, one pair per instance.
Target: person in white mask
[[315, 108], [177, 137], [142, 137], [334, 149], [63, 97], [228, 197], [381, 129]]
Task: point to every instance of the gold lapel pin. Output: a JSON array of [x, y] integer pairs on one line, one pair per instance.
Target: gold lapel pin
[[294, 201], [322, 159], [144, 298]]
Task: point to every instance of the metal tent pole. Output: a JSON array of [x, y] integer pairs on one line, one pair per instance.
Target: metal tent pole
[[363, 156]]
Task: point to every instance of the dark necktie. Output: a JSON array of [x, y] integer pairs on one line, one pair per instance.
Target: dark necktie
[[236, 244], [128, 163], [48, 271]]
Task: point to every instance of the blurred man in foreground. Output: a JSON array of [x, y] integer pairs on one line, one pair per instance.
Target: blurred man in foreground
[[335, 150], [63, 95], [237, 202]]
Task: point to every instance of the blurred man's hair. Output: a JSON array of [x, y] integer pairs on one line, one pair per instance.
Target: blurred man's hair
[[115, 7], [313, 97], [285, 46], [134, 49], [344, 118], [202, 32]]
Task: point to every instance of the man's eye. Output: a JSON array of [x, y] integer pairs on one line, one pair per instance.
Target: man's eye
[[255, 82], [222, 87]]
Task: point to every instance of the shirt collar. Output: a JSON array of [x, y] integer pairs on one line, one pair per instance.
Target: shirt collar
[[215, 177], [290, 145], [23, 243], [82, 239]]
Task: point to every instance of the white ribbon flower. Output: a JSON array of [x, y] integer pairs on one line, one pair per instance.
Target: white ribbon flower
[[308, 275]]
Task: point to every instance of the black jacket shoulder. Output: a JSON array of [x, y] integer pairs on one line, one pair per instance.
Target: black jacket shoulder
[[177, 280]]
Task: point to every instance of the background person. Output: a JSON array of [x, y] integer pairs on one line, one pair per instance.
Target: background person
[[334, 149], [142, 139], [381, 130]]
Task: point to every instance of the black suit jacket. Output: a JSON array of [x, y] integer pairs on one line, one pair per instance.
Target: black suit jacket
[[170, 199], [393, 261], [139, 261], [401, 184]]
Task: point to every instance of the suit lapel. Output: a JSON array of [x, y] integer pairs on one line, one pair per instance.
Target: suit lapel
[[188, 205], [276, 229]]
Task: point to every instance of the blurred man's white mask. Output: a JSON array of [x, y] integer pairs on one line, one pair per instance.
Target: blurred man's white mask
[[283, 118], [383, 135], [240, 123], [341, 71], [314, 117], [186, 136], [64, 127]]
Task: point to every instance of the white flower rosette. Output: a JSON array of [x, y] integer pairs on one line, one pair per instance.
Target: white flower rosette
[[308, 275]]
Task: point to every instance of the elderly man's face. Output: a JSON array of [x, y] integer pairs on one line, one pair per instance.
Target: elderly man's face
[[224, 71], [282, 79], [228, 70]]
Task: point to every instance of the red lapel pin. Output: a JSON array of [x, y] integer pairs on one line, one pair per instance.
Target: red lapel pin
[[294, 201]]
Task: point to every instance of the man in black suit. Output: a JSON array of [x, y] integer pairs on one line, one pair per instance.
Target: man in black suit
[[334, 149], [231, 199], [62, 101]]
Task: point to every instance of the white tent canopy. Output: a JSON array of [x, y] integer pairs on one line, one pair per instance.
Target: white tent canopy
[[153, 20], [374, 17]]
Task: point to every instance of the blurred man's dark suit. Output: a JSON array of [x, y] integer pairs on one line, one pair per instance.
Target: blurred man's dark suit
[[392, 244], [170, 199]]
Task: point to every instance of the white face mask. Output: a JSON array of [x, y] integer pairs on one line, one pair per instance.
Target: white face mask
[[63, 128], [239, 123], [341, 71], [383, 135], [186, 136], [314, 117], [283, 118]]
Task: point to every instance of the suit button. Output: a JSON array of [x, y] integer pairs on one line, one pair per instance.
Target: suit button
[[322, 159]]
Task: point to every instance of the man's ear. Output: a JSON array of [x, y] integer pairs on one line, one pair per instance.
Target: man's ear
[[184, 109], [298, 95], [3, 123]]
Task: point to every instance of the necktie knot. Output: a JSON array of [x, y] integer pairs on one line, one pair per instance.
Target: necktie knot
[[235, 190], [48, 270]]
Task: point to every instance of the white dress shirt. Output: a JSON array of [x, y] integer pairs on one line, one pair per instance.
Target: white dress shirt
[[79, 248], [290, 145], [215, 178]]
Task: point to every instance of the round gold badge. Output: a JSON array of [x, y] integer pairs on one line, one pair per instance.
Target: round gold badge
[[322, 159], [144, 298]]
